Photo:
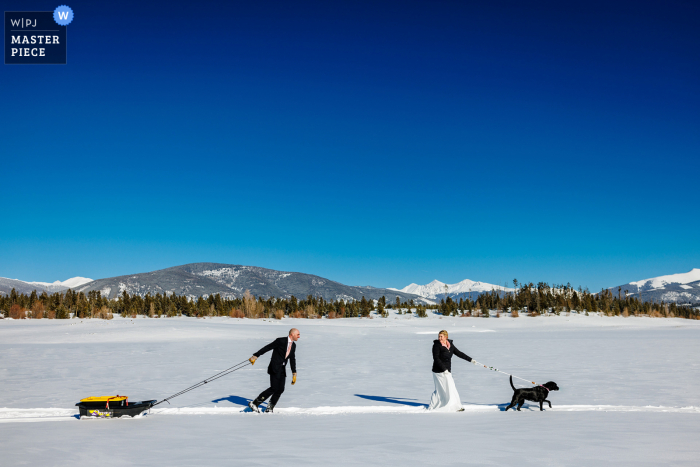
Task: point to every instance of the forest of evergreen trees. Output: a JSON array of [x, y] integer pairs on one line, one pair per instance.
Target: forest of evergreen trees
[[542, 298], [529, 298]]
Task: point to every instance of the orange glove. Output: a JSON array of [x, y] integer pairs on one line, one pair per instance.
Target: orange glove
[[252, 359], [294, 378]]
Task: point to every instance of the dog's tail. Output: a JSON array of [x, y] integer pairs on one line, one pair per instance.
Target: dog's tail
[[511, 382]]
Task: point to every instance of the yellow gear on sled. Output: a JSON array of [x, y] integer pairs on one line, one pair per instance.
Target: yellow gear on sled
[[105, 399]]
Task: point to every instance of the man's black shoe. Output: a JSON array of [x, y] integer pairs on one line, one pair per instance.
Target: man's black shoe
[[254, 405]]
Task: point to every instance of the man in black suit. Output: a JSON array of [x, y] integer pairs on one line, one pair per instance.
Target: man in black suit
[[282, 351]]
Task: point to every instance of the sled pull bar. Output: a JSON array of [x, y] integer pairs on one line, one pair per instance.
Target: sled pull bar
[[220, 374]]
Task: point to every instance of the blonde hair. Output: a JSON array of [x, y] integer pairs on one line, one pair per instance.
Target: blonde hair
[[443, 332]]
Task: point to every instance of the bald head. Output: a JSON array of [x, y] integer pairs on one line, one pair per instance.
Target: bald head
[[294, 334]]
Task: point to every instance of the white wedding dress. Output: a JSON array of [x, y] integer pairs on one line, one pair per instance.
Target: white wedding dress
[[445, 398]]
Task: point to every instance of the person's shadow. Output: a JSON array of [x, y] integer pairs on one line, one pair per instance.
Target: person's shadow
[[243, 402], [236, 400], [392, 400], [405, 401]]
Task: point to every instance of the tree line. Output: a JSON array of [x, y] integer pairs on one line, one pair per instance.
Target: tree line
[[542, 298], [529, 298], [63, 305]]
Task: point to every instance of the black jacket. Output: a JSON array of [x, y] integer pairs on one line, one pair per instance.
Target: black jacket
[[442, 357], [278, 364]]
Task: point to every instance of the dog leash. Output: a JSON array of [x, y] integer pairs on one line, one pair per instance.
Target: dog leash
[[496, 369]]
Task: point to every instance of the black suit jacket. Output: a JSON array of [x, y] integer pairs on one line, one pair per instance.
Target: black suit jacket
[[278, 362], [442, 358]]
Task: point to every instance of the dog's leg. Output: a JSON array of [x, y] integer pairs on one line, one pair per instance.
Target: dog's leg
[[550, 404], [520, 404], [541, 409]]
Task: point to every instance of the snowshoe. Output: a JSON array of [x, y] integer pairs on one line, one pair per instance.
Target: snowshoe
[[253, 406]]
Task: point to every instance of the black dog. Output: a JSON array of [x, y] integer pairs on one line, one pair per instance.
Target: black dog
[[536, 394]]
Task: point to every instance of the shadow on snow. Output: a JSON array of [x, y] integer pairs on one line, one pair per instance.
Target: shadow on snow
[[392, 400], [243, 402], [236, 400]]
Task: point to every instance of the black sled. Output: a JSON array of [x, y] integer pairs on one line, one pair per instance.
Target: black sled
[[112, 407]]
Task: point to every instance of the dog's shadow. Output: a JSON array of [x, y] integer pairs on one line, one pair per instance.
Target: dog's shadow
[[502, 407], [237, 400], [525, 407]]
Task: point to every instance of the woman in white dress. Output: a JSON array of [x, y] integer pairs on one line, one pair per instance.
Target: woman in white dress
[[445, 398]]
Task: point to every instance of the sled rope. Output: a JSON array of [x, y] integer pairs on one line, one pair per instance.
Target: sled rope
[[220, 374], [496, 369]]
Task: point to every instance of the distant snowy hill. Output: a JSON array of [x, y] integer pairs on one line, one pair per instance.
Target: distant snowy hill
[[232, 280], [67, 284], [679, 288], [6, 285], [436, 290]]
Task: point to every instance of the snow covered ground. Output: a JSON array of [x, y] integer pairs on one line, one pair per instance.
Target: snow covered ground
[[629, 392]]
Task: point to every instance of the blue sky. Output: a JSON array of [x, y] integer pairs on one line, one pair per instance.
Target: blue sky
[[373, 143]]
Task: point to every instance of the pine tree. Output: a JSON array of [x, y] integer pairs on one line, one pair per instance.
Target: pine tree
[[484, 309], [32, 299], [62, 312], [365, 307], [383, 311], [380, 307]]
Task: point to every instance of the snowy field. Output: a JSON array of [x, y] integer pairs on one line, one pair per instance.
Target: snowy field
[[629, 392]]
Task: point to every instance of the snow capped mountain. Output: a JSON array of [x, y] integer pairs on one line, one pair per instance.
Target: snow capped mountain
[[231, 280], [437, 289], [679, 288], [662, 281], [67, 284], [6, 285]]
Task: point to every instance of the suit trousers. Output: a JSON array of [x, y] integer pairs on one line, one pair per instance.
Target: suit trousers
[[277, 381]]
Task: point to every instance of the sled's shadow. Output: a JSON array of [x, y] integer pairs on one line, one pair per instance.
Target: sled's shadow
[[391, 400]]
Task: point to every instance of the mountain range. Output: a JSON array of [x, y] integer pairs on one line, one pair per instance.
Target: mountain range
[[437, 290], [230, 280], [680, 288], [6, 285]]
